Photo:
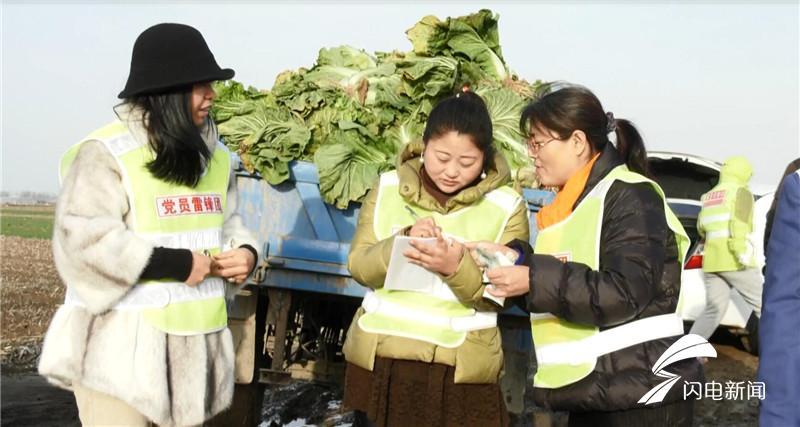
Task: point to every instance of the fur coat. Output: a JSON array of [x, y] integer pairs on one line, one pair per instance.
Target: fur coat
[[172, 380]]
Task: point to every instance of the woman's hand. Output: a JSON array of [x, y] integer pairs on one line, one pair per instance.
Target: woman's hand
[[441, 257], [509, 281], [492, 248], [235, 264], [424, 227], [201, 268]]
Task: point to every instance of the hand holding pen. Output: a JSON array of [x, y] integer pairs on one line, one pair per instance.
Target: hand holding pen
[[423, 227]]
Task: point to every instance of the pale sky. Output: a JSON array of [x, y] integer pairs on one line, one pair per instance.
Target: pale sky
[[715, 79]]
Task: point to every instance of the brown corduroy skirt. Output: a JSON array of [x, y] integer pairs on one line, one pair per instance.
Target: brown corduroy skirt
[[409, 393]]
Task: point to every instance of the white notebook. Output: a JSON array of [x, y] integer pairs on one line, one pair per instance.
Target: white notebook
[[402, 275]]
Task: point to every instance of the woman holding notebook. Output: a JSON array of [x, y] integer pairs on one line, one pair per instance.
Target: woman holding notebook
[[433, 357]]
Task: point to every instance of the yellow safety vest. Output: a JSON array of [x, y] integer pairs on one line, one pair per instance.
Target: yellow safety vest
[[172, 216], [715, 222], [567, 352], [438, 318]]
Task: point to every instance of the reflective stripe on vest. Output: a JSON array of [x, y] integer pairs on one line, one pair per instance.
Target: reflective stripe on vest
[[173, 216], [707, 220], [196, 241], [433, 314], [587, 350], [718, 234], [714, 222], [438, 318], [160, 294], [570, 350]]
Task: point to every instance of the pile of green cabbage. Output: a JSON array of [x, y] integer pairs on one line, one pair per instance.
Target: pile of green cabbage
[[352, 112]]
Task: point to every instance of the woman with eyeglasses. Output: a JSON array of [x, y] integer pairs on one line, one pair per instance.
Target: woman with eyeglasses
[[603, 281]]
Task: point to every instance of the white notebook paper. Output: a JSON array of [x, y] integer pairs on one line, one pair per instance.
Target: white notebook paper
[[402, 275]]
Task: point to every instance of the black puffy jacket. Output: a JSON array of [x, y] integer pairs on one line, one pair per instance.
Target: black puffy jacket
[[639, 277]]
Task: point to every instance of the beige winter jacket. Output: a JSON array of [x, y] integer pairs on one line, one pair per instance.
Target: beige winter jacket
[[479, 359], [178, 380]]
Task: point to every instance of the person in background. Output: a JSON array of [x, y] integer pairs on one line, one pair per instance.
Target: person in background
[[149, 245], [607, 263], [779, 362], [406, 364], [725, 220]]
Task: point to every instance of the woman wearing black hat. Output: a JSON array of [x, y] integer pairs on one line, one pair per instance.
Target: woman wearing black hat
[[148, 243]]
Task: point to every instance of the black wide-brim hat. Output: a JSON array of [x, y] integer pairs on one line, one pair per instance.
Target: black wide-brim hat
[[167, 56]]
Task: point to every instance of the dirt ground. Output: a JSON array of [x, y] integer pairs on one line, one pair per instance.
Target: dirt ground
[[731, 364], [30, 294], [31, 291], [28, 400]]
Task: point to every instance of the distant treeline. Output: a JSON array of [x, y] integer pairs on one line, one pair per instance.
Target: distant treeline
[[27, 198]]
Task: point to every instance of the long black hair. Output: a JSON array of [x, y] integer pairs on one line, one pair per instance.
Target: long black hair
[[572, 107], [465, 113], [181, 154]]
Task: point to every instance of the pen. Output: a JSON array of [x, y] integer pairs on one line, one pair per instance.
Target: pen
[[417, 218], [411, 211]]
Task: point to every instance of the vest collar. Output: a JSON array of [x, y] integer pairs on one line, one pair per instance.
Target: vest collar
[[608, 160]]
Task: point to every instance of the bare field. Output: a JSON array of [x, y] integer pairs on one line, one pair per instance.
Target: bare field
[[30, 293]]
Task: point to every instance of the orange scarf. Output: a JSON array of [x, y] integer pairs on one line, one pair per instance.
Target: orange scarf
[[565, 199]]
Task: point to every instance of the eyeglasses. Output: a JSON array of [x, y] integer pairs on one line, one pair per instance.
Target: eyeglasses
[[534, 146]]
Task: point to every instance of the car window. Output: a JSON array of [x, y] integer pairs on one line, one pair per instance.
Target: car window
[[682, 179]]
